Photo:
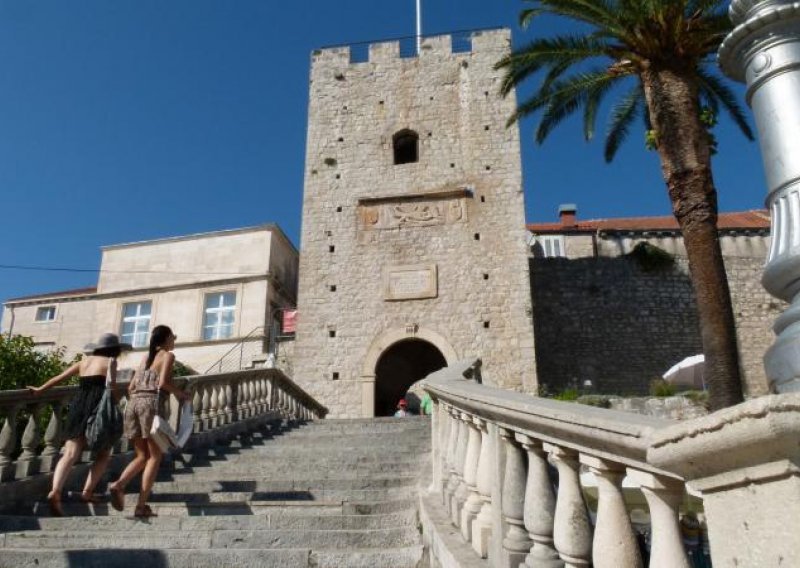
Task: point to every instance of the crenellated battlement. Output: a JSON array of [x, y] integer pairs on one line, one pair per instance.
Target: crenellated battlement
[[437, 46]]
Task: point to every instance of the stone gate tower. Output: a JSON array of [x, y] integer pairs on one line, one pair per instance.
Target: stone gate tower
[[413, 247]]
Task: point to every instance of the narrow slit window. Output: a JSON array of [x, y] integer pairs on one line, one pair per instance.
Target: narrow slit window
[[406, 147]]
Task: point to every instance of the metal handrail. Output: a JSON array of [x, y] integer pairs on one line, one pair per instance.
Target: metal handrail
[[238, 345]]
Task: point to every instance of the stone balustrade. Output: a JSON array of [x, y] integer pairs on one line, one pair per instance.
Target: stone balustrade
[[223, 405], [507, 470]]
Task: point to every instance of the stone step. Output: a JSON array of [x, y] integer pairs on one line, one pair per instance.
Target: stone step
[[268, 520], [401, 557], [207, 539], [271, 485], [232, 472], [244, 507]]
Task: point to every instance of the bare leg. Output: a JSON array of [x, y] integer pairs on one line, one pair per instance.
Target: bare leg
[[137, 464], [96, 473], [150, 472], [72, 451]]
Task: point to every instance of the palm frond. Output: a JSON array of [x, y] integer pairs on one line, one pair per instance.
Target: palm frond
[[568, 95], [527, 15], [547, 52], [622, 116], [594, 97], [712, 86], [597, 13]]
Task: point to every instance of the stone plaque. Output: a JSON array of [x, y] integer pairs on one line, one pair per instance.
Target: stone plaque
[[414, 210], [412, 282]]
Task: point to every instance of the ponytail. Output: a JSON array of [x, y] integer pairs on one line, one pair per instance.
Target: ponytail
[[159, 336]]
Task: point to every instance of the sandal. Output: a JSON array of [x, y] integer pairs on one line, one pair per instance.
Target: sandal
[[54, 501], [143, 512], [89, 498], [117, 498]]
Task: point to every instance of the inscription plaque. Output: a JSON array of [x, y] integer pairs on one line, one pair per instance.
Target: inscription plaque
[[412, 282]]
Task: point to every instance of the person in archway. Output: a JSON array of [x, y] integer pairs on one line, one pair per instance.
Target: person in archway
[[402, 409]]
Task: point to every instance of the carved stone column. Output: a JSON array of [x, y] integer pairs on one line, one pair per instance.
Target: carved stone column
[[450, 458], [472, 504], [763, 51], [572, 532], [460, 491], [52, 440], [28, 461], [614, 544], [540, 507], [8, 443], [664, 496], [482, 525], [516, 543]]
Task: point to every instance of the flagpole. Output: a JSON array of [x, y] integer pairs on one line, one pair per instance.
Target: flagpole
[[419, 25]]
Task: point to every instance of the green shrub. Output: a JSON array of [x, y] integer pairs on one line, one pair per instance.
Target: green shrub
[[567, 395], [660, 387]]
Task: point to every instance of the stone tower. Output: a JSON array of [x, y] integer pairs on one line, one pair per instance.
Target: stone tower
[[413, 249]]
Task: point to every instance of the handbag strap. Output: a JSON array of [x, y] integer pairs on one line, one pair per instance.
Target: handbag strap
[[111, 373]]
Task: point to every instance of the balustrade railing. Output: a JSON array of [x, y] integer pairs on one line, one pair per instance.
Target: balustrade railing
[[31, 441], [507, 468]]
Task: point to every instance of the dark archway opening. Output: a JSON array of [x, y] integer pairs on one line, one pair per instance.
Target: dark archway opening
[[399, 367]]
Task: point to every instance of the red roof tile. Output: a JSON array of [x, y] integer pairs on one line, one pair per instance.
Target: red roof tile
[[59, 294], [754, 219]]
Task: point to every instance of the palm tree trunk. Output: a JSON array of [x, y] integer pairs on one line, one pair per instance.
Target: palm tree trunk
[[683, 146]]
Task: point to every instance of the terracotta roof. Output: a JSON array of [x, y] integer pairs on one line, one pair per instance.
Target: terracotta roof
[[59, 294], [754, 219]]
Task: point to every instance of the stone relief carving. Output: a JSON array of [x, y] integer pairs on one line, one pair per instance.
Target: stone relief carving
[[398, 214]]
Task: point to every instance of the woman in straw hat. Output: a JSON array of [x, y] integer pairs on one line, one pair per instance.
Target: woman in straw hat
[[92, 370]]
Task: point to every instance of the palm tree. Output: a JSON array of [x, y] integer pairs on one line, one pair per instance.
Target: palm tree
[[664, 50]]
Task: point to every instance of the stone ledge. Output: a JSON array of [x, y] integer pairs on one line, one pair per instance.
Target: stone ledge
[[442, 540], [758, 432]]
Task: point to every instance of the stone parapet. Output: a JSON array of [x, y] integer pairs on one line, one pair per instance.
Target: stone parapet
[[742, 462]]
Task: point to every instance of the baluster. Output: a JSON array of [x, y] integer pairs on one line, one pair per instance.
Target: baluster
[[460, 494], [253, 386], [8, 443], [450, 457], [270, 389], [52, 440], [516, 543], [241, 400], [664, 497], [250, 388], [28, 461], [222, 416], [457, 457], [540, 507], [572, 532], [229, 403], [207, 410], [440, 427], [259, 397], [482, 525], [614, 544], [197, 409], [471, 505]]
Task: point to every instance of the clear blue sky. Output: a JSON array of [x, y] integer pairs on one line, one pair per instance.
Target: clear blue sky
[[128, 120]]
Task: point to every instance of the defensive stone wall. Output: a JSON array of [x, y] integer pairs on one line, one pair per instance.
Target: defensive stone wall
[[609, 321], [433, 249]]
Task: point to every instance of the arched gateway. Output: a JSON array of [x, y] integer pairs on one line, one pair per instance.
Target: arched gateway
[[396, 360]]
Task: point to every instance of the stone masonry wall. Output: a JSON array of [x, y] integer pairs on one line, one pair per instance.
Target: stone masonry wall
[[606, 320], [456, 217]]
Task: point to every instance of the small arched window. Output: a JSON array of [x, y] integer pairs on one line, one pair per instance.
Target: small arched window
[[406, 147]]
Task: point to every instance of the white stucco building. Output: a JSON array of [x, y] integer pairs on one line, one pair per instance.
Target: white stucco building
[[215, 290]]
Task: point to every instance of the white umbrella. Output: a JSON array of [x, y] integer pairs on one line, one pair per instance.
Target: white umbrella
[[688, 372]]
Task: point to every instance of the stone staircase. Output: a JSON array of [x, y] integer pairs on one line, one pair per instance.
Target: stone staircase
[[331, 493]]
